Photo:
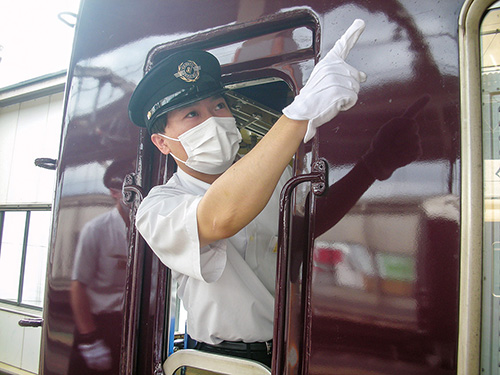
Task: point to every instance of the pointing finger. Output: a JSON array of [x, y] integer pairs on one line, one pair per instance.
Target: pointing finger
[[344, 45]]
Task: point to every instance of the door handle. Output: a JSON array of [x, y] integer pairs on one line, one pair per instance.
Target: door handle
[[46, 163], [318, 180], [35, 322]]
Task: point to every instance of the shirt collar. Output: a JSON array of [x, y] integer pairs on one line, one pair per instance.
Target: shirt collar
[[192, 182]]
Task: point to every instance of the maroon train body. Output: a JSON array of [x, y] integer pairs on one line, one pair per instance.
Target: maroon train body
[[371, 291]]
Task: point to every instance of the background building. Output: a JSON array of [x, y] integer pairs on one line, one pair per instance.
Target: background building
[[35, 47], [30, 123]]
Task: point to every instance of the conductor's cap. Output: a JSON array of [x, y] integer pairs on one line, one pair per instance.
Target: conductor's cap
[[179, 80]]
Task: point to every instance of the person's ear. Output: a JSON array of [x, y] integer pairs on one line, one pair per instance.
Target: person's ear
[[160, 143]]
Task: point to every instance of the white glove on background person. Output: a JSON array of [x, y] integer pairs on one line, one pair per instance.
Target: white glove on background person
[[97, 355], [332, 87]]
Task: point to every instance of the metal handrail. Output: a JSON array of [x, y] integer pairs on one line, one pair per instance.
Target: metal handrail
[[318, 180], [219, 364]]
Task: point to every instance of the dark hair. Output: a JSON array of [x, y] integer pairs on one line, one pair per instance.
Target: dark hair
[[116, 171], [159, 125]]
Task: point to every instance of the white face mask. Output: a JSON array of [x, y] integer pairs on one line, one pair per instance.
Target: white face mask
[[210, 146]]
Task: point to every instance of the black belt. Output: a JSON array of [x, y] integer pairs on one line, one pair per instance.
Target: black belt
[[266, 346]]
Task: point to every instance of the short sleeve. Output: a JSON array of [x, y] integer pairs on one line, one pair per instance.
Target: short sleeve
[[167, 221]]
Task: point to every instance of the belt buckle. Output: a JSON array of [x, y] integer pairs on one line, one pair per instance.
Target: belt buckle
[[269, 347]]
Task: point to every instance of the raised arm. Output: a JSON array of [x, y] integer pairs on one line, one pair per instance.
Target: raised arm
[[240, 194]]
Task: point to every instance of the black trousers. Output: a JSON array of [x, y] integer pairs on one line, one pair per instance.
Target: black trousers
[[257, 351]]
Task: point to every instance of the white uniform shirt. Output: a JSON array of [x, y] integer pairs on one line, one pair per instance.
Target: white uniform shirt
[[226, 287], [101, 261]]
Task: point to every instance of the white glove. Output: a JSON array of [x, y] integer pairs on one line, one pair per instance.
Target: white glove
[[97, 355], [332, 87]]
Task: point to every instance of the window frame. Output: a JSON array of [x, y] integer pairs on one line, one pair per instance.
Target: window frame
[[242, 107], [28, 209]]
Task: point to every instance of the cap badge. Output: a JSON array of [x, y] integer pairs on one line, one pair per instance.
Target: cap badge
[[188, 71]]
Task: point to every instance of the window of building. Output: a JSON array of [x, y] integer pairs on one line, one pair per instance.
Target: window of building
[[24, 238], [29, 129]]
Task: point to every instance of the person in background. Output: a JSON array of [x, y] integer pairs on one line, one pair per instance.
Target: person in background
[[98, 283]]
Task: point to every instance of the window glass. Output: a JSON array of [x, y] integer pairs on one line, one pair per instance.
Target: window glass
[[264, 46], [11, 252], [23, 255], [36, 257]]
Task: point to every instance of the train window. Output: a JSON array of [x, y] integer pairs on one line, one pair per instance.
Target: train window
[[490, 82], [282, 42], [256, 105]]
